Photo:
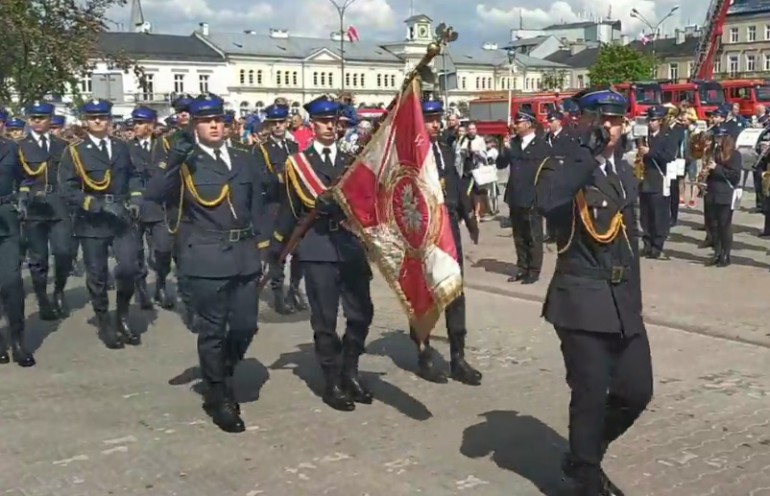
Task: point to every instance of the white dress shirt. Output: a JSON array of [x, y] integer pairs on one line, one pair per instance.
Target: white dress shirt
[[98, 142], [224, 155], [145, 144], [605, 162], [37, 138], [319, 147], [526, 140]]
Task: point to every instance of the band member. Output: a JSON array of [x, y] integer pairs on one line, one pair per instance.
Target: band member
[[723, 178], [45, 211], [152, 225], [594, 300], [11, 285], [763, 150], [654, 202], [100, 183], [333, 259], [460, 208], [14, 129], [222, 207], [271, 158], [523, 155]]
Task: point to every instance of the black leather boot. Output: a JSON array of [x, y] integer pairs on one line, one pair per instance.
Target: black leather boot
[[161, 296], [460, 370], [282, 306], [59, 302], [296, 298], [4, 358], [351, 382], [110, 280], [143, 295], [107, 332], [724, 260], [590, 481], [222, 409], [426, 367], [47, 311], [714, 260], [21, 355], [121, 320], [334, 395]]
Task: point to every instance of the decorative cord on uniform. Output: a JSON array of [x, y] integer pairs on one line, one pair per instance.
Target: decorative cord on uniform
[[42, 169], [94, 185]]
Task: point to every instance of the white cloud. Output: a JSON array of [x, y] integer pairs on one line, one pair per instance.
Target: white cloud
[[202, 11], [373, 15]]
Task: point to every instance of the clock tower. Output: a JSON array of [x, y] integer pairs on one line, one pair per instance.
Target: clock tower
[[419, 29]]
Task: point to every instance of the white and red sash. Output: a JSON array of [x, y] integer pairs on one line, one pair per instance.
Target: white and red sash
[[301, 172]]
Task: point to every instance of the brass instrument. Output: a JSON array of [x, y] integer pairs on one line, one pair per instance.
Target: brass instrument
[[698, 145], [706, 160], [639, 169]]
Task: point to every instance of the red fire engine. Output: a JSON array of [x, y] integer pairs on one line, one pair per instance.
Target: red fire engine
[[492, 112], [640, 95], [747, 93]]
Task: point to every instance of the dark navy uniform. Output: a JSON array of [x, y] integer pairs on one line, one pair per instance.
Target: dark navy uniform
[[654, 208], [271, 160], [47, 216], [219, 259], [594, 300], [721, 183], [100, 182], [152, 225], [561, 142], [11, 286], [333, 262], [460, 209], [523, 157]]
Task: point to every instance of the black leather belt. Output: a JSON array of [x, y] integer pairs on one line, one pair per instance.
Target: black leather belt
[[108, 197], [614, 275], [230, 236]]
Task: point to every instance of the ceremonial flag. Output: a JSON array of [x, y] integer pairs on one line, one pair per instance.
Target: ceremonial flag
[[394, 202], [352, 34]]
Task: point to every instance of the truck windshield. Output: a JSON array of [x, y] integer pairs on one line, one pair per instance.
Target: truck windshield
[[763, 93], [647, 95], [711, 94]]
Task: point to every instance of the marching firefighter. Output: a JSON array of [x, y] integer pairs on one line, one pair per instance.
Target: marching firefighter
[[98, 180], [219, 259], [460, 208], [152, 225], [271, 159], [333, 260], [44, 210], [594, 300], [11, 286]]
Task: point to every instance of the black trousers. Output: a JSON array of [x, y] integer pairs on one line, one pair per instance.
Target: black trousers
[[719, 223], [59, 233], [328, 284], [610, 378], [95, 258], [758, 193], [11, 287], [527, 227], [160, 244], [674, 201], [655, 218], [226, 321], [295, 275]]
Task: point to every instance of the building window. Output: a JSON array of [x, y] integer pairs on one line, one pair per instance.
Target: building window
[[242, 76], [767, 32], [278, 78], [717, 66], [751, 63], [347, 80], [673, 71], [315, 79], [323, 79], [733, 35], [751, 33], [148, 88], [462, 82], [251, 78], [363, 81], [733, 65], [489, 83], [203, 82], [765, 63], [86, 84], [392, 80], [689, 70], [379, 80], [294, 78], [581, 81], [478, 83], [259, 77], [178, 83], [355, 79], [331, 79]]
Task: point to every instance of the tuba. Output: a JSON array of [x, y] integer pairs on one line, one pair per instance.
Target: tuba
[[639, 161]]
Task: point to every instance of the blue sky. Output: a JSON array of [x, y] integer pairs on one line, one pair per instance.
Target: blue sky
[[490, 20]]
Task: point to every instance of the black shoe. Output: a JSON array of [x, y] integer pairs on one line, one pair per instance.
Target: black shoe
[[111, 338], [427, 369], [351, 382], [297, 299], [713, 261], [724, 261], [282, 306], [46, 310], [531, 278], [225, 416], [143, 296], [461, 371], [60, 304], [518, 276], [4, 357], [337, 398], [121, 323], [645, 251], [21, 356], [162, 297], [603, 486]]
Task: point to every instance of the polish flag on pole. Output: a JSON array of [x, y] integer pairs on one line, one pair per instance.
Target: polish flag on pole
[[352, 34]]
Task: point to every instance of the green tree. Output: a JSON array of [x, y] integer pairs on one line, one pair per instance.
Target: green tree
[[554, 80], [621, 63], [49, 44]]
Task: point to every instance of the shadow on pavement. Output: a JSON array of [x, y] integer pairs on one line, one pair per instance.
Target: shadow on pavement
[[521, 444]]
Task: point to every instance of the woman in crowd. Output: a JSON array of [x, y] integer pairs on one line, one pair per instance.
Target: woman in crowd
[[724, 175]]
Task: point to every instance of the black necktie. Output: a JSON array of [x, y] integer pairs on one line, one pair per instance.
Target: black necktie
[[146, 146], [44, 143], [439, 158], [327, 153], [103, 148], [613, 178], [218, 157]]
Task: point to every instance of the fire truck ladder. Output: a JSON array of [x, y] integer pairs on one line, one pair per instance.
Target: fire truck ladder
[[708, 45]]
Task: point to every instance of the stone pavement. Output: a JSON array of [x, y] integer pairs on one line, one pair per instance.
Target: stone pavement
[[90, 421]]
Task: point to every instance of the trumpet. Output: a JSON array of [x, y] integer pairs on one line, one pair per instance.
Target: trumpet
[[639, 160], [708, 157]]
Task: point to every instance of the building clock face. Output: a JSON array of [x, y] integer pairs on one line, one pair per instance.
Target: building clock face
[[422, 31]]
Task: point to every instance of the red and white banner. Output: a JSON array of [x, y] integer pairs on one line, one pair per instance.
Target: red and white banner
[[352, 34], [393, 199]]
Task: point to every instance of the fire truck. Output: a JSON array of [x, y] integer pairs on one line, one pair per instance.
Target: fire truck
[[640, 95], [492, 112], [747, 93], [704, 96]]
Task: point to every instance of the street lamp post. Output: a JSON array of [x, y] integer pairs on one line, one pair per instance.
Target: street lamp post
[[342, 6], [653, 27], [511, 60]]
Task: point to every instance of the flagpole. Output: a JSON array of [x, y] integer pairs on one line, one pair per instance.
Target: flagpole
[[341, 8]]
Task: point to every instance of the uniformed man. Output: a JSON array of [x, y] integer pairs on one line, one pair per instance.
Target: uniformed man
[[460, 208], [654, 202], [152, 225], [333, 259], [594, 300], [220, 260], [11, 286], [523, 155], [57, 125], [14, 129], [99, 181], [560, 140], [46, 214], [271, 159]]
